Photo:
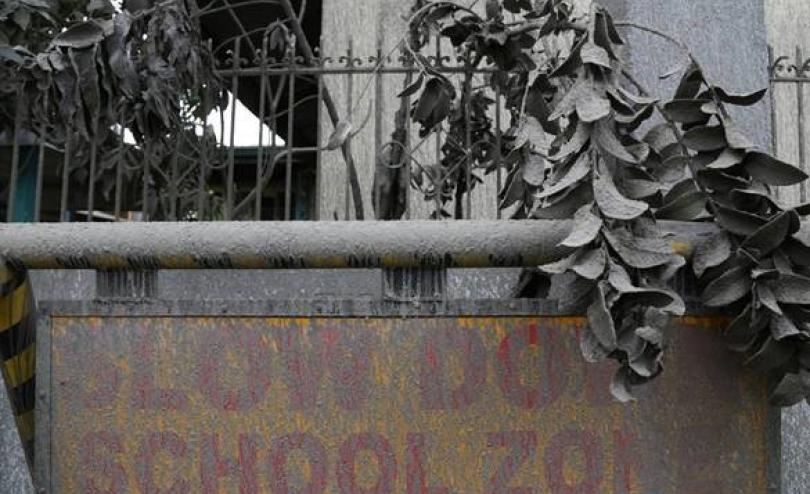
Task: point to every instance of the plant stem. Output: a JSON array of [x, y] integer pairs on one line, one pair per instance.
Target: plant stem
[[309, 57]]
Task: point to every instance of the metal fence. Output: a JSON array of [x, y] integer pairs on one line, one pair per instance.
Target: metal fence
[[282, 100], [790, 95]]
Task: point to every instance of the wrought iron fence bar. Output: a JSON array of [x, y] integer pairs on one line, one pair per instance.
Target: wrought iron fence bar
[[40, 165], [357, 70], [235, 98], [318, 154], [15, 162], [91, 180], [791, 80], [349, 105], [498, 172], [290, 135], [800, 125], [406, 157], [119, 168], [65, 189], [257, 205], [774, 119]]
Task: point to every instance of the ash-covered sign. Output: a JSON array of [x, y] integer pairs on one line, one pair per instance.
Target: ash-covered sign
[[416, 406]]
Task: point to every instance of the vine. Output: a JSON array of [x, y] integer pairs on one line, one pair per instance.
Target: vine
[[586, 141]]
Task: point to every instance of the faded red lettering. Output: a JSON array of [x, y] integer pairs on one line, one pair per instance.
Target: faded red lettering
[[521, 447], [435, 389], [386, 463], [415, 475], [151, 445], [550, 367], [624, 463], [145, 393], [304, 368], [348, 354], [97, 452], [279, 454], [252, 350], [214, 466], [557, 450]]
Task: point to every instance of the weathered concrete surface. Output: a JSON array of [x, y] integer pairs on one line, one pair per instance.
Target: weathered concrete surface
[[14, 474], [143, 402], [796, 449]]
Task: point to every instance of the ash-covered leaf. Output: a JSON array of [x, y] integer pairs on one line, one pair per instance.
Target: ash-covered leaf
[[772, 171], [81, 35], [339, 135], [605, 137], [719, 181], [565, 206], [738, 222], [744, 329], [640, 188], [737, 139], [595, 55], [648, 364], [739, 99], [413, 88], [572, 63], [727, 288], [585, 228], [652, 335], [590, 264], [592, 106], [727, 159], [576, 173], [644, 296], [790, 289], [690, 83], [612, 203], [711, 252], [534, 170], [575, 144], [560, 266], [592, 350], [687, 111], [687, 207], [620, 386], [705, 138], [782, 327], [639, 252], [771, 355], [600, 320], [790, 391], [771, 235]]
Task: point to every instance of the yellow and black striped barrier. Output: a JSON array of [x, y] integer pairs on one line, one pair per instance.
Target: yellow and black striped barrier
[[18, 349]]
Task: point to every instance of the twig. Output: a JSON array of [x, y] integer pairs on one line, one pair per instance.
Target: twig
[[309, 57]]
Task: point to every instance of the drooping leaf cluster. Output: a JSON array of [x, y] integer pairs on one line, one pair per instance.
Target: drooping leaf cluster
[[586, 142], [86, 76], [755, 265]]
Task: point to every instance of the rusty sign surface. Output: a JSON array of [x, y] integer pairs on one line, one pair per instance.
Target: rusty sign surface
[[365, 405]]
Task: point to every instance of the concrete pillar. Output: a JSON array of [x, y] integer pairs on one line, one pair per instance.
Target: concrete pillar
[[788, 24], [14, 474], [364, 25]]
